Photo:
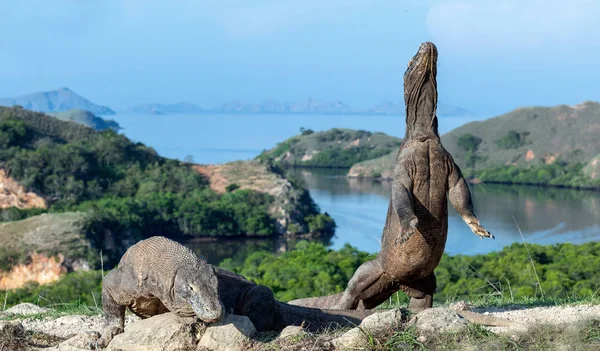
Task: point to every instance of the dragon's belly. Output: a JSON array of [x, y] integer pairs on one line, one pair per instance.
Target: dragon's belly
[[418, 256]]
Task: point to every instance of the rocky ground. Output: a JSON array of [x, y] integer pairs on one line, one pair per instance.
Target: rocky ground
[[575, 327]]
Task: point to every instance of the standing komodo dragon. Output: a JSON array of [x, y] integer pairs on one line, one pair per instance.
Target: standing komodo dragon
[[155, 276], [416, 226]]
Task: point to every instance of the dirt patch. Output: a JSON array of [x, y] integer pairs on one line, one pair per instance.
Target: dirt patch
[[12, 194]]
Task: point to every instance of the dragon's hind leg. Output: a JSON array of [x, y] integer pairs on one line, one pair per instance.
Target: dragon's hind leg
[[420, 292], [366, 275]]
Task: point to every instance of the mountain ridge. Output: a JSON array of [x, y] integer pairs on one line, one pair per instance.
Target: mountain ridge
[[58, 100]]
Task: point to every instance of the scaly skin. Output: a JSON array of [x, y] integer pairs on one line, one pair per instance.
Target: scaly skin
[[414, 235], [155, 276]]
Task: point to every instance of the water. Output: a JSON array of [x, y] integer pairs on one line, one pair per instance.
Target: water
[[359, 207], [223, 138]]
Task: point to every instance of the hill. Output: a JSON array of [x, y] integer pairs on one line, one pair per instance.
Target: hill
[[331, 148], [87, 119], [129, 192], [535, 145], [59, 100], [163, 109]]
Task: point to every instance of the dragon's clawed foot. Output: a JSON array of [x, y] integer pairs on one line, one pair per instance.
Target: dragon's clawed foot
[[405, 234], [107, 335], [479, 230]]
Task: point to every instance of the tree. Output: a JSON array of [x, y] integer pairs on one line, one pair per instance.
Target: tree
[[470, 144]]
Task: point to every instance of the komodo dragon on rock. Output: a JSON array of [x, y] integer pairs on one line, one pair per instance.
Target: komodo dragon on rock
[[158, 275], [155, 276], [414, 235]]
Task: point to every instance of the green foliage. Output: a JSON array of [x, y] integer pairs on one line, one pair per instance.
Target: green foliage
[[469, 142], [334, 148], [127, 189], [81, 287], [308, 270], [564, 270], [231, 187], [320, 223], [558, 173], [306, 131], [512, 140], [16, 214], [12, 131]]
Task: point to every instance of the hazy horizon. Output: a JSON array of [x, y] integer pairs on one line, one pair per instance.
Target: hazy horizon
[[494, 56]]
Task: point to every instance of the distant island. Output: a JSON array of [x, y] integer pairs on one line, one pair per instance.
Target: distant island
[[307, 106], [164, 109], [59, 100], [64, 99]]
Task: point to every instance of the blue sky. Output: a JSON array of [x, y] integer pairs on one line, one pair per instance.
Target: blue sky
[[494, 55]]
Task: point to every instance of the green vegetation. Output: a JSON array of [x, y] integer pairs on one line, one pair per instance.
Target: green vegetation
[[126, 188], [558, 173], [470, 144], [334, 148], [564, 273], [529, 135], [512, 140], [310, 269]]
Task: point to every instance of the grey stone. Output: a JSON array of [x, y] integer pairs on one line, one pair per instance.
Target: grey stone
[[163, 332], [438, 320], [233, 333], [292, 331], [357, 338], [26, 309], [78, 342]]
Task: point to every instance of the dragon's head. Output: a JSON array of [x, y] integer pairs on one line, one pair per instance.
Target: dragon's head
[[420, 93], [197, 285]]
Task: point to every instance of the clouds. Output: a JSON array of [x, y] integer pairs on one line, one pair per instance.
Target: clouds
[[470, 26]]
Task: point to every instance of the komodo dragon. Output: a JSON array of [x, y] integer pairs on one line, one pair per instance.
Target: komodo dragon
[[416, 226], [158, 275], [155, 276]]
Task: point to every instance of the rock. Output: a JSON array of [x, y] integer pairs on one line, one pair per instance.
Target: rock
[[232, 333], [352, 339], [26, 309], [375, 323], [79, 342], [163, 332], [291, 331], [438, 320], [384, 320], [461, 306]]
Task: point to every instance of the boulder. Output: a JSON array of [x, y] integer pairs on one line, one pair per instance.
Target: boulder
[[438, 320], [358, 337], [292, 331], [163, 332], [26, 309], [232, 333], [79, 342]]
